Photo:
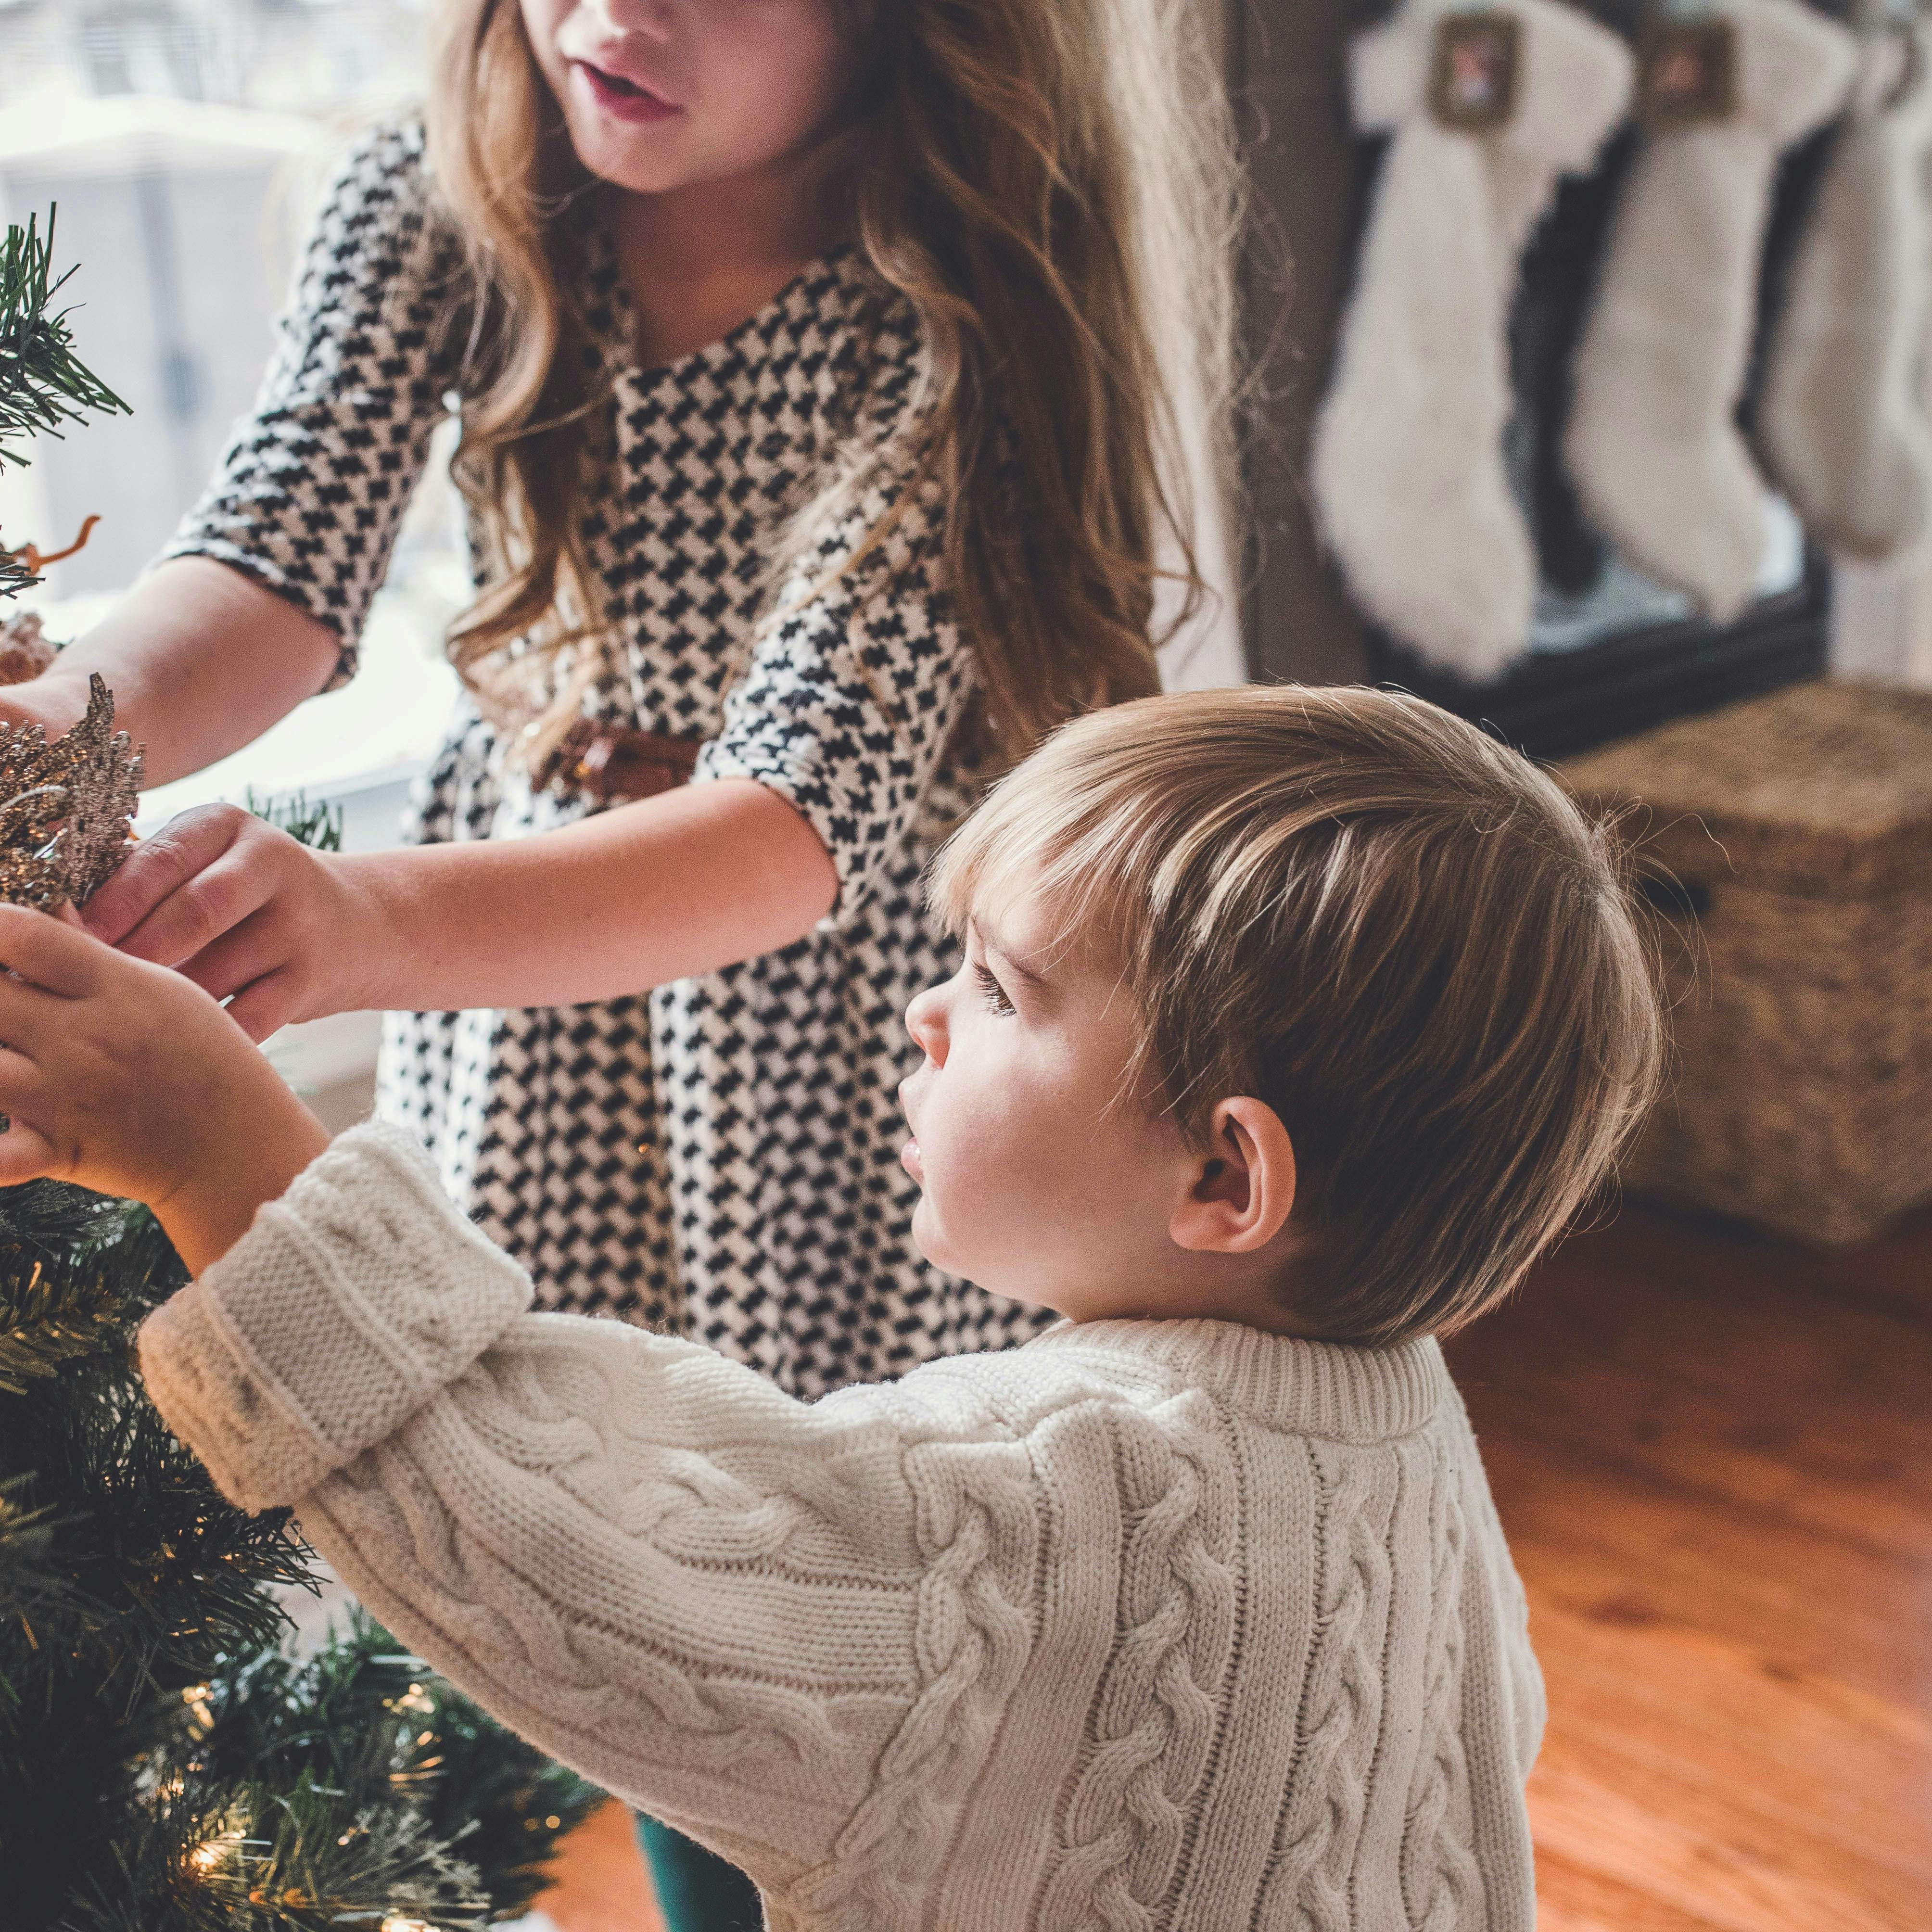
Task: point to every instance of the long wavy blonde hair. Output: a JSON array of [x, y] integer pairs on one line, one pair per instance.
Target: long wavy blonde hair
[[1052, 185]]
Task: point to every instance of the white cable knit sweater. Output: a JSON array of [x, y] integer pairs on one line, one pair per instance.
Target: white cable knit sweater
[[1166, 1624]]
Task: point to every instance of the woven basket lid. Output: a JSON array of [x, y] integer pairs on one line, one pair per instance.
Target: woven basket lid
[[1823, 788]]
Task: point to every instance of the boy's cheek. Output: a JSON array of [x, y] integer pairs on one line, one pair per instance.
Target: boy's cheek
[[927, 1237], [948, 1246]]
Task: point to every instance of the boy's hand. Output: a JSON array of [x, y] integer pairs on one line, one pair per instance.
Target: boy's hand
[[123, 1077], [245, 912]]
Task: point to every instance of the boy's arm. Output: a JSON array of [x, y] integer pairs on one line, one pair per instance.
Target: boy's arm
[[785, 1628], [737, 1610]]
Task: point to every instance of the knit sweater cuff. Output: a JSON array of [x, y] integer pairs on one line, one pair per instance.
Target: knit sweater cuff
[[348, 1303]]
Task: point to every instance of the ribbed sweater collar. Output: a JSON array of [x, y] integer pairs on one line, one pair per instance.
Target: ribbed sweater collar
[[1307, 1388]]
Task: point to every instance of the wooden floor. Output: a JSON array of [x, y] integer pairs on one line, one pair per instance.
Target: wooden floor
[[1713, 1458], [601, 1885]]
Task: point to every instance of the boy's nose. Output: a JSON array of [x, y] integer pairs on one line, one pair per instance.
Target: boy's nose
[[925, 1021]]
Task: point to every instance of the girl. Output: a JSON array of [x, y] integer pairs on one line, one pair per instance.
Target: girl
[[819, 368]]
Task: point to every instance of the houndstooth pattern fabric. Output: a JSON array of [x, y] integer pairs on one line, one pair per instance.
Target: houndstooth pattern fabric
[[717, 1157]]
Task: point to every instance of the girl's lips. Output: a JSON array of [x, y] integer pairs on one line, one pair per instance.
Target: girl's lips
[[621, 100], [909, 1160]]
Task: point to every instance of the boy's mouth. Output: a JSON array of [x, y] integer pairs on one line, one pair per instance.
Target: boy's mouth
[[622, 100]]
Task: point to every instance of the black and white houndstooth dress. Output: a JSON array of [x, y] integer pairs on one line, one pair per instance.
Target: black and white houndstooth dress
[[719, 1156]]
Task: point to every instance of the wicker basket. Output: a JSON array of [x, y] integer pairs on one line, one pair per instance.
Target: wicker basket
[[1790, 843]]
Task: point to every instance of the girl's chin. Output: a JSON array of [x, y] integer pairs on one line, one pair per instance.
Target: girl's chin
[[615, 162], [648, 160]]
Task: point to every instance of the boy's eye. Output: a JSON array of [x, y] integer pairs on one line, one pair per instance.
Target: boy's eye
[[994, 993]]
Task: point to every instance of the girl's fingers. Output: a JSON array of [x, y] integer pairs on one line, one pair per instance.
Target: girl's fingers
[[48, 953], [242, 955], [265, 1007], [159, 866], [196, 913]]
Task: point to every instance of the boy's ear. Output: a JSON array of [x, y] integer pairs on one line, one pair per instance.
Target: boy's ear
[[1244, 1189]]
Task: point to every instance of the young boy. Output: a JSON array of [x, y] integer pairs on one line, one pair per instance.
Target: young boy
[[1293, 1025]]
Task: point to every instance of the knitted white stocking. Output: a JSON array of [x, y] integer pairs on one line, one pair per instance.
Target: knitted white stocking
[[1652, 443], [1840, 422], [1407, 465]]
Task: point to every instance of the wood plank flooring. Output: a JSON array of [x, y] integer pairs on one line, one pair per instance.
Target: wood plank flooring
[[601, 1885], [1714, 1459], [1713, 1455]]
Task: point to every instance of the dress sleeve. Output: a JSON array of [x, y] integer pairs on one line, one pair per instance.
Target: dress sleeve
[[312, 488], [856, 683], [744, 1613]]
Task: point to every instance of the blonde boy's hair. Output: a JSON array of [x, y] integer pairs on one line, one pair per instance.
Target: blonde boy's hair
[[1403, 936]]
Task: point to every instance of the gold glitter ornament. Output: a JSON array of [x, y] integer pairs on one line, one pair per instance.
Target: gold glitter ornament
[[66, 809]]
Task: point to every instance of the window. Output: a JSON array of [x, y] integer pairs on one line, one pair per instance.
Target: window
[[183, 142]]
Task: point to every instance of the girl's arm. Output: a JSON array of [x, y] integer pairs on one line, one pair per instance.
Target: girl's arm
[[684, 884], [201, 661], [803, 803], [680, 884]]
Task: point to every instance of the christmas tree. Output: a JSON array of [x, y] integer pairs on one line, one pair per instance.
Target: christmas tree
[[165, 1766]]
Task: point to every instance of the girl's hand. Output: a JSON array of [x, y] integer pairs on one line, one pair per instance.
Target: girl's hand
[[241, 909], [123, 1077]]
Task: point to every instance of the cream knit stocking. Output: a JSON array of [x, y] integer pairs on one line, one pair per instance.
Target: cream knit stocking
[[1841, 423], [1407, 466], [1651, 443]]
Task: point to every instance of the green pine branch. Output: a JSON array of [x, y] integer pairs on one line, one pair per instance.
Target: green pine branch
[[54, 1312], [363, 1717], [162, 1575], [216, 1855], [166, 1575], [42, 382], [77, 1270], [34, 1582], [318, 826], [165, 1766], [51, 1218]]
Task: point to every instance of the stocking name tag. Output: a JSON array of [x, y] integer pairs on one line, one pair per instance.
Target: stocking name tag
[[1687, 72], [1472, 72]]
